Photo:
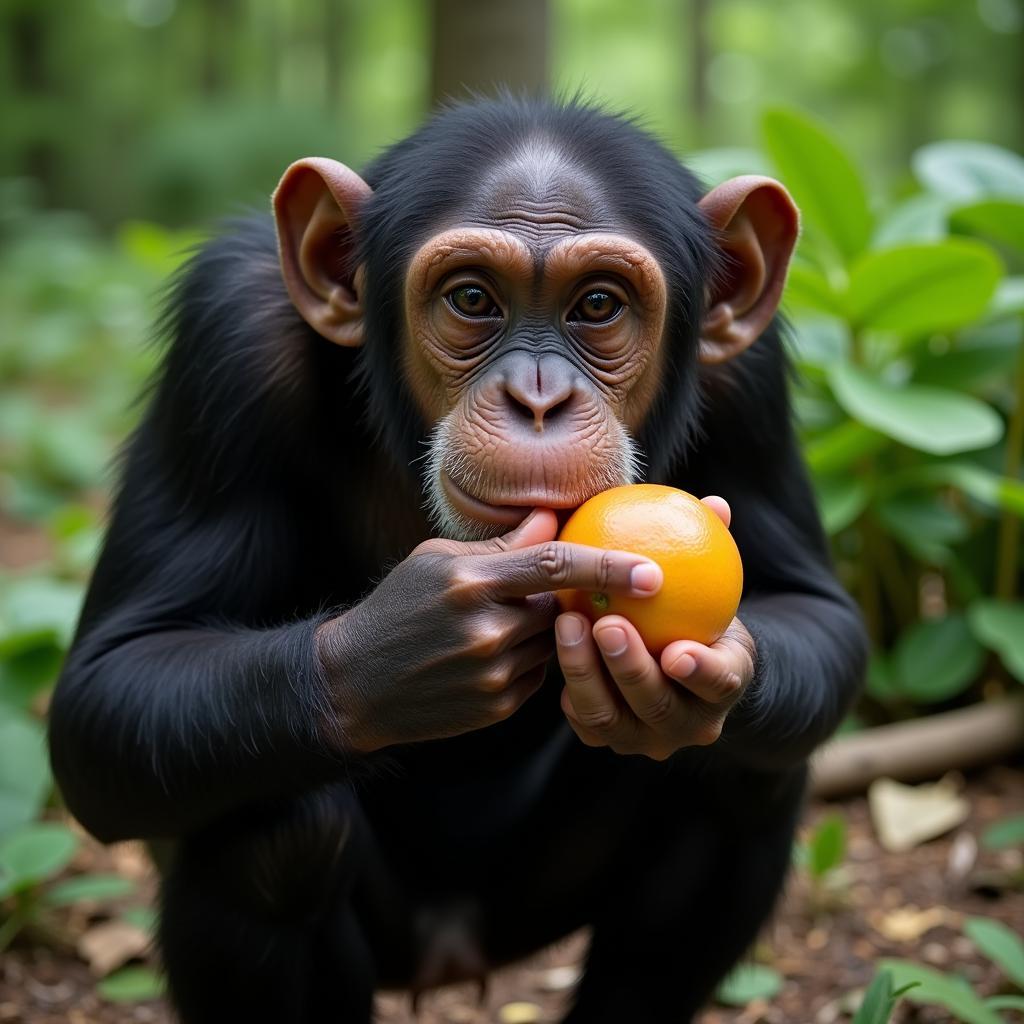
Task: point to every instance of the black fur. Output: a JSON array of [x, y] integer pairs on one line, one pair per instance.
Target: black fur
[[268, 485]]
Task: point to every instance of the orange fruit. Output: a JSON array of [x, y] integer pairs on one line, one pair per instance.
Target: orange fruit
[[696, 552]]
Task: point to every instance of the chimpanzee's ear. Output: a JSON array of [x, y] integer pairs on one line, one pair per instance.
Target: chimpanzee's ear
[[757, 226], [316, 207]]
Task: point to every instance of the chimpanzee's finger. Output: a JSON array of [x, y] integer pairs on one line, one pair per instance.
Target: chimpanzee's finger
[[653, 698], [596, 706], [559, 566]]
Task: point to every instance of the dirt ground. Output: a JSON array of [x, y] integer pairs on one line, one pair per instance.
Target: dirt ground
[[825, 944]]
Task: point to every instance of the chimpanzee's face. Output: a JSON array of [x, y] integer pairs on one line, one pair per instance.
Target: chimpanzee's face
[[534, 336]]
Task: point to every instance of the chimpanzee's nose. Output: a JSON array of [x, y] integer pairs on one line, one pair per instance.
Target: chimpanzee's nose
[[539, 389]]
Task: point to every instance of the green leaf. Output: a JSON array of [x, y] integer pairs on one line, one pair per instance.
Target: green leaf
[[965, 369], [1005, 833], [714, 166], [1005, 1003], [981, 484], [1008, 299], [921, 218], [912, 517], [839, 448], [999, 625], [748, 982], [827, 846], [1002, 220], [930, 419], [132, 985], [937, 660], [919, 288], [882, 683], [35, 853], [26, 673], [822, 178], [841, 499], [999, 944], [967, 171], [937, 990], [36, 607], [877, 1005], [88, 887], [24, 770], [807, 288]]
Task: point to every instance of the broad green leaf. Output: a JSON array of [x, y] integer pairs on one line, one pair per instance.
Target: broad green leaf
[[1005, 833], [24, 770], [822, 178], [827, 846], [999, 625], [841, 499], [937, 660], [936, 989], [966, 171], [1002, 220], [839, 448], [919, 288], [1008, 299], [981, 484], [966, 368], [132, 985], [819, 341], [807, 288], [999, 944], [930, 419], [713, 166], [88, 887], [35, 606], [748, 982], [921, 218], [922, 516], [34, 853]]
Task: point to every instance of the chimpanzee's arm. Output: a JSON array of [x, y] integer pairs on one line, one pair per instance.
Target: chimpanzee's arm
[[811, 646], [184, 694]]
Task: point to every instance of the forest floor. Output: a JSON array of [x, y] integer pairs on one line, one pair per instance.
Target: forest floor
[[824, 943]]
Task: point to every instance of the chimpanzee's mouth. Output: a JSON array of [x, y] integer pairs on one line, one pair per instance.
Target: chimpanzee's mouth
[[511, 514]]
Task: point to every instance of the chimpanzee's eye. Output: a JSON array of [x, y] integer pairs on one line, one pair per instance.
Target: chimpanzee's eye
[[471, 300], [596, 307]]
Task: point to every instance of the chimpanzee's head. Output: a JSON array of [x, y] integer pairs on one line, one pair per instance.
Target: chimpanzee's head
[[534, 286]]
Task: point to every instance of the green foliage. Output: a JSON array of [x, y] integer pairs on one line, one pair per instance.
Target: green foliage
[[1000, 945], [131, 985], [910, 342], [879, 1000], [827, 846], [748, 982], [935, 989], [1004, 833]]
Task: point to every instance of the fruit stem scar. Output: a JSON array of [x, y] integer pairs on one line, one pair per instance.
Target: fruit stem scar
[[599, 601]]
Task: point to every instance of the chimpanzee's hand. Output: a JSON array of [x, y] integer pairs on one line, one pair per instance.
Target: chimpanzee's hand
[[617, 695], [457, 635]]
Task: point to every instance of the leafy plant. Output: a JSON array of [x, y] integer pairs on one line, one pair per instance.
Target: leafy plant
[[880, 999], [910, 340]]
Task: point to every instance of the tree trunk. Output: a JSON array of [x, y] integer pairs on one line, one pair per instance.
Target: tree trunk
[[479, 45]]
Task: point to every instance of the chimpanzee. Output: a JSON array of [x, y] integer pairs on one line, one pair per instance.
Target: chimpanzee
[[321, 665]]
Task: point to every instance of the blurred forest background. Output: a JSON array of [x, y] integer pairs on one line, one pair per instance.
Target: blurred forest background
[[129, 127]]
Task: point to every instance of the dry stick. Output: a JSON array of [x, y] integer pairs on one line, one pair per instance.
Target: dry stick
[[922, 749]]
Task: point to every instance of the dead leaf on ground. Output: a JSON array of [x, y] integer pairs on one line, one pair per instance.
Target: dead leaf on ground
[[906, 816], [110, 945]]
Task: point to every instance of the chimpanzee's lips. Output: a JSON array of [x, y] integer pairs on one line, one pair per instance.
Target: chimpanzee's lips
[[502, 515]]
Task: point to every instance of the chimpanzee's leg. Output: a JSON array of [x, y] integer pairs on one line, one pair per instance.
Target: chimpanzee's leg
[[688, 900], [257, 920]]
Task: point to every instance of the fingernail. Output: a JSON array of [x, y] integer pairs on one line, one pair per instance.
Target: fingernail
[[612, 640], [685, 665], [569, 630], [646, 577]]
